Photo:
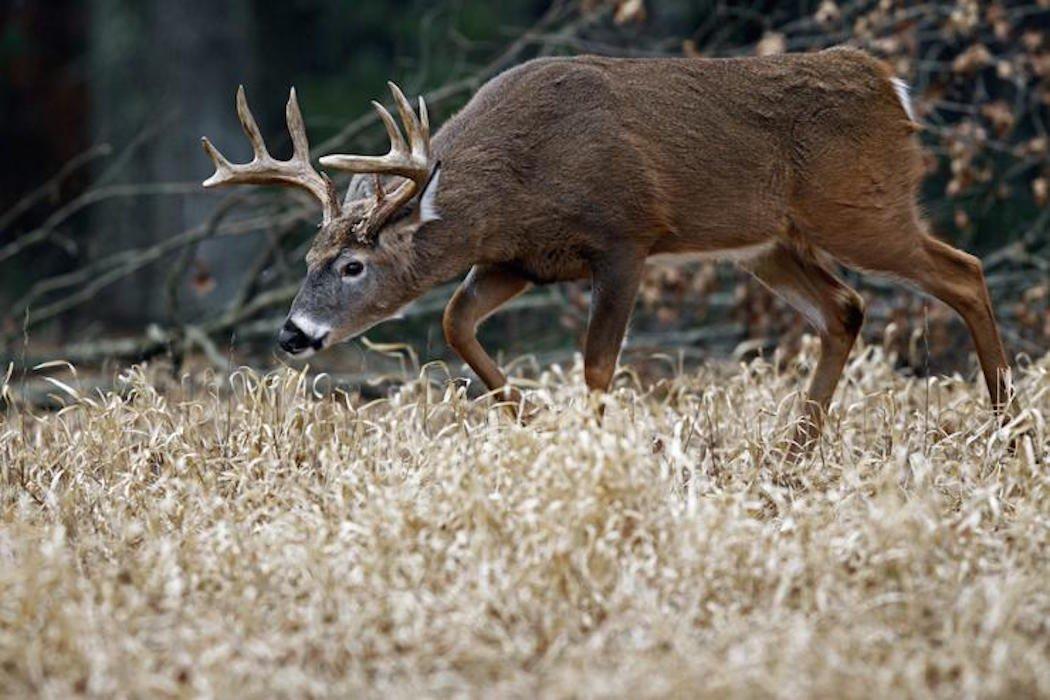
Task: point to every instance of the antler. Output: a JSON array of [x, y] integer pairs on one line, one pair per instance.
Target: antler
[[264, 169], [409, 160]]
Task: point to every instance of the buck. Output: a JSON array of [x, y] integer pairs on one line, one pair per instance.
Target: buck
[[569, 168]]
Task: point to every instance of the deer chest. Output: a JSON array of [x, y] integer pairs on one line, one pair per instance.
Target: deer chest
[[554, 264]]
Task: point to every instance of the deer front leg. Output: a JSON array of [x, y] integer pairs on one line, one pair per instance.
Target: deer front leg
[[485, 289], [614, 286]]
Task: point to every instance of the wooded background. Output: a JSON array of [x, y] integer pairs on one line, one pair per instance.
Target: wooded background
[[111, 252]]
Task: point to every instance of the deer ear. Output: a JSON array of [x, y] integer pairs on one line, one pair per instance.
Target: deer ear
[[428, 210]]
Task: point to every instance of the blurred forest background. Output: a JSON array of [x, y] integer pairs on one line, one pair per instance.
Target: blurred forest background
[[111, 252]]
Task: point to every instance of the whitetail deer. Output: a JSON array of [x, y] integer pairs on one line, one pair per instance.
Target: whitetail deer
[[568, 168]]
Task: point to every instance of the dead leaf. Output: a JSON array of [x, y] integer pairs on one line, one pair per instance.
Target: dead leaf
[[1039, 190], [972, 60], [771, 44], [630, 12], [828, 13]]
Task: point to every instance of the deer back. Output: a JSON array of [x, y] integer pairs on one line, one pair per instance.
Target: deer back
[[599, 153]]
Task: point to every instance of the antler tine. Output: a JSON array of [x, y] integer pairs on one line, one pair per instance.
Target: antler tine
[[424, 119], [264, 169], [418, 134], [222, 166], [378, 184], [251, 129], [407, 114], [296, 129], [397, 141]]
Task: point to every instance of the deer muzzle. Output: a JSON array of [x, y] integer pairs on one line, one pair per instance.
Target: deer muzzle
[[301, 339]]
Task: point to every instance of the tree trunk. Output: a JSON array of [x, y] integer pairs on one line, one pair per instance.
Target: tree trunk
[[169, 69]]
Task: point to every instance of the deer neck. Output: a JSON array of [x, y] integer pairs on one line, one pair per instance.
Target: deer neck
[[441, 252]]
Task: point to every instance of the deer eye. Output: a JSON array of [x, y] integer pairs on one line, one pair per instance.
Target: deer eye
[[352, 268]]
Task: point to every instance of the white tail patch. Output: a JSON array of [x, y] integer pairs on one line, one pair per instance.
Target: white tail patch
[[904, 95]]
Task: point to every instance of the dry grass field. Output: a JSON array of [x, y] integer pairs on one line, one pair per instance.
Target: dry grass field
[[169, 540]]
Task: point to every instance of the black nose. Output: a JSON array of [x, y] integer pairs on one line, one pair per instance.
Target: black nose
[[292, 339]]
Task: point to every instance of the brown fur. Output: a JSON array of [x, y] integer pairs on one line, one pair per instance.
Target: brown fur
[[581, 155], [564, 168]]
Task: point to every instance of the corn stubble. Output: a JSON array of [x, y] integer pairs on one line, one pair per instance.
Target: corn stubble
[[170, 541]]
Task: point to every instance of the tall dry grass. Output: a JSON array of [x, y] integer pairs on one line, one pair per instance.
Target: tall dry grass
[[170, 540]]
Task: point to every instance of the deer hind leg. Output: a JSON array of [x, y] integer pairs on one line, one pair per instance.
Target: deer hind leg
[[833, 308], [957, 279], [906, 252], [614, 286], [484, 290]]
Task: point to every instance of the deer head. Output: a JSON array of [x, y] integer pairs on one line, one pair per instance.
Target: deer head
[[359, 267]]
